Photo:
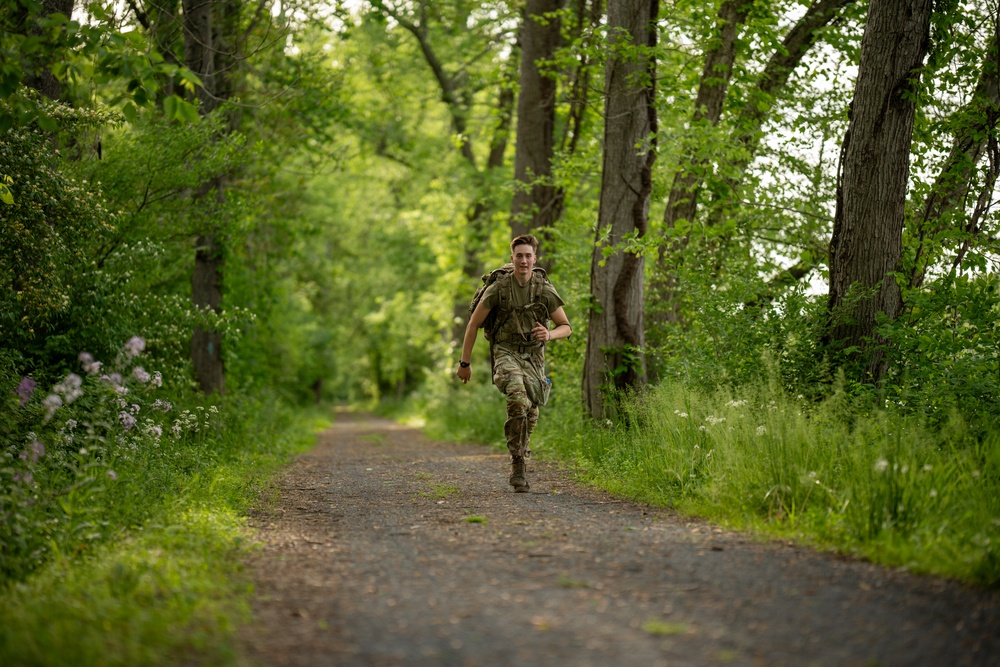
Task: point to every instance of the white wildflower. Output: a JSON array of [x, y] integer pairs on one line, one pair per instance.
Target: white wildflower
[[134, 346], [90, 367], [70, 387], [52, 403], [881, 465]]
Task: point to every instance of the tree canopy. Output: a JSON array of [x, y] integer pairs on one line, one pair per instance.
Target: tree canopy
[[317, 188]]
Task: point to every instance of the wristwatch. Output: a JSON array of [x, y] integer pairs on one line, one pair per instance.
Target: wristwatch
[[464, 364]]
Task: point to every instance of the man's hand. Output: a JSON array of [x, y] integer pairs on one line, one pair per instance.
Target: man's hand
[[464, 374], [540, 332]]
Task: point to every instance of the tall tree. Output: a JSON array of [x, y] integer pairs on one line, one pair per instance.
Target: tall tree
[[459, 82], [614, 356], [210, 31], [975, 125], [713, 90], [866, 244], [43, 79], [535, 205], [683, 200]]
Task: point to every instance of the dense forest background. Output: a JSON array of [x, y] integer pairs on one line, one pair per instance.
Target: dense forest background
[[217, 211]]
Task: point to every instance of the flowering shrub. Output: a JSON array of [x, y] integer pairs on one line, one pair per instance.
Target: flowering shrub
[[63, 449]]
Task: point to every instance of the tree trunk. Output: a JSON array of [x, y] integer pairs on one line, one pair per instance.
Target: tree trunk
[[951, 188], [198, 51], [871, 193], [614, 357], [43, 80], [478, 230], [204, 23], [682, 203], [206, 293], [534, 206], [772, 81]]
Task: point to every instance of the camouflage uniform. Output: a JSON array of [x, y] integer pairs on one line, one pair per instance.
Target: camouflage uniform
[[518, 359]]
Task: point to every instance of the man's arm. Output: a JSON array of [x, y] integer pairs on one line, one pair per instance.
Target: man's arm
[[562, 329], [471, 331]]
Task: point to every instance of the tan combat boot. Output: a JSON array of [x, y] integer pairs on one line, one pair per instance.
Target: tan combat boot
[[517, 478]]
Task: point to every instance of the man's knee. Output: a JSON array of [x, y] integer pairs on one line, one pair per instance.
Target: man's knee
[[518, 404]]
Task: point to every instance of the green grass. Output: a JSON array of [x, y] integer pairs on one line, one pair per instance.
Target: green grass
[[661, 628], [881, 485], [171, 589], [441, 491]]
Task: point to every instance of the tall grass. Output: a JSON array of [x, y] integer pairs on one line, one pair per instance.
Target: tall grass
[[878, 484]]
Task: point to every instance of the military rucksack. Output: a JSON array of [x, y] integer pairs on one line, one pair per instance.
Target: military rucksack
[[497, 316]]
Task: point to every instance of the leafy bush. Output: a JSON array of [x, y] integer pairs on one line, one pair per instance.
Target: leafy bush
[[65, 450], [944, 355]]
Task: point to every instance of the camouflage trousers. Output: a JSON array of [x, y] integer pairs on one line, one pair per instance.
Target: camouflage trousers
[[513, 374]]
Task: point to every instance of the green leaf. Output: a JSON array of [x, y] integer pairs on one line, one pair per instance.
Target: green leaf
[[170, 107], [47, 123], [6, 196], [188, 111], [131, 114], [189, 79]]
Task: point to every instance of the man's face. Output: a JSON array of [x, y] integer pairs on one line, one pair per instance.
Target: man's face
[[523, 258]]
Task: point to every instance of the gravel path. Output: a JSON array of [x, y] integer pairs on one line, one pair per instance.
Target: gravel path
[[384, 548]]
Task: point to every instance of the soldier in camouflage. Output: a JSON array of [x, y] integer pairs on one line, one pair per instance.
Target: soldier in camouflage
[[525, 302]]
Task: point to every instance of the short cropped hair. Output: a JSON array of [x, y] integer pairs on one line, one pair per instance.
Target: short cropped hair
[[524, 239]]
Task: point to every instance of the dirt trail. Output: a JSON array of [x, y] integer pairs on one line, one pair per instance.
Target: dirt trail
[[371, 559]]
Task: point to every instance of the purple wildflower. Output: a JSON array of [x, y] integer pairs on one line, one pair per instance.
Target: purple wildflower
[[25, 477], [127, 420], [157, 379], [37, 451], [25, 389], [113, 475], [161, 405], [140, 374]]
